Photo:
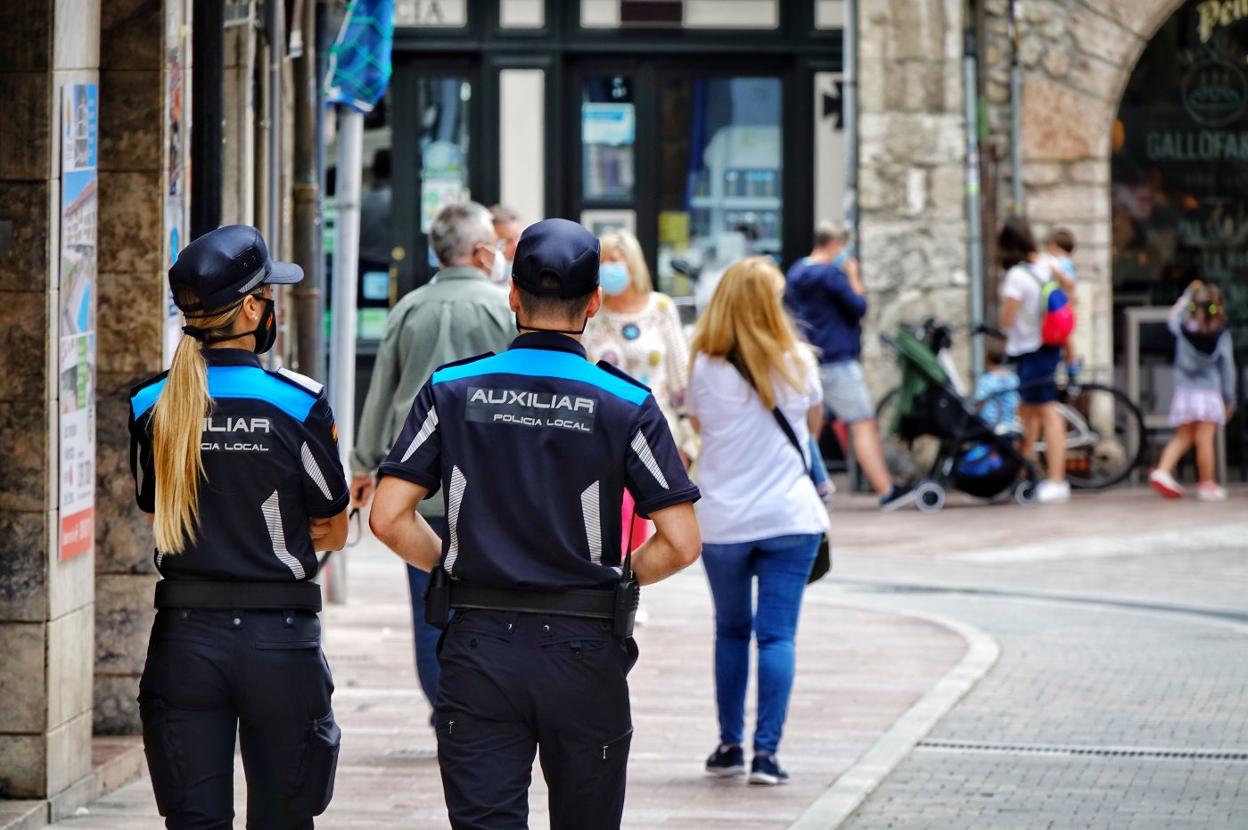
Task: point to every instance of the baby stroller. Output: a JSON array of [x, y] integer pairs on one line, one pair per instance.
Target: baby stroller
[[935, 439]]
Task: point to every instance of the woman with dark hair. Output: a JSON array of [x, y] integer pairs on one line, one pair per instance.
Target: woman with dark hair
[[1021, 316]]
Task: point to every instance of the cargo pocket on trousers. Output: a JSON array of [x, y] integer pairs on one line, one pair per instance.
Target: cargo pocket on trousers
[[317, 766], [164, 754]]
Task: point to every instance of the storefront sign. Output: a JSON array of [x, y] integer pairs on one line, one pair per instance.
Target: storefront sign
[[79, 144], [430, 13], [1217, 14], [611, 124]]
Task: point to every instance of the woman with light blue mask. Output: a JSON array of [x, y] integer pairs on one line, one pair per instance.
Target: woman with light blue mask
[[638, 330]]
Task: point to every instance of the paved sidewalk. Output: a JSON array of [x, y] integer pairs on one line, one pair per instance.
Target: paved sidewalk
[[859, 670]]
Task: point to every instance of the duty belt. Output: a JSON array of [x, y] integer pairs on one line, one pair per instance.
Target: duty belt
[[581, 602], [194, 593]]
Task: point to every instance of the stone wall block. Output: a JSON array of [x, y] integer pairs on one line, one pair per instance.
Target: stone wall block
[[1142, 17], [70, 656], [1056, 62], [1097, 78], [1098, 35], [1042, 173], [131, 34], [26, 37], [23, 765], [76, 35], [1057, 120], [948, 194], [24, 566], [24, 331], [131, 216], [67, 762], [23, 693], [129, 333], [23, 474], [123, 537], [25, 129], [1089, 172], [918, 29], [25, 206], [123, 621], [116, 705], [1068, 203], [129, 124]]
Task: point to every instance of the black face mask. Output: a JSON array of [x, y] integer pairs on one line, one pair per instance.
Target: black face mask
[[266, 332], [521, 327]]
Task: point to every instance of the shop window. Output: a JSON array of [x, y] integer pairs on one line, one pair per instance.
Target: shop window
[[444, 146], [720, 176], [431, 14], [829, 14], [1179, 172], [676, 14], [522, 14], [608, 137]]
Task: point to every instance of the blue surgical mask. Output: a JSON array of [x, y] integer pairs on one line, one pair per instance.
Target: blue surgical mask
[[839, 259], [613, 277]]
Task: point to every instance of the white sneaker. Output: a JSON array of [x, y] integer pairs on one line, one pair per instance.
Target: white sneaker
[[1210, 492], [1165, 484], [1053, 492]]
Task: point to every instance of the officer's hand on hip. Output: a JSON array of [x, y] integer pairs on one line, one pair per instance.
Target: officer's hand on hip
[[362, 487]]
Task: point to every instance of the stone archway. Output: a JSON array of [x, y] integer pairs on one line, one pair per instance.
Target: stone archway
[[1077, 61]]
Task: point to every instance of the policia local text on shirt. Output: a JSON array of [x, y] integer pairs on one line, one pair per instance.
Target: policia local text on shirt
[[239, 468], [533, 449]]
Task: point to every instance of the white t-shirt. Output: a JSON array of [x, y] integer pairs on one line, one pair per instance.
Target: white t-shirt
[[1022, 283], [754, 485]]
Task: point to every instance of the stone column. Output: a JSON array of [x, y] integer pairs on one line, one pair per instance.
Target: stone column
[[46, 608], [912, 133], [131, 308]]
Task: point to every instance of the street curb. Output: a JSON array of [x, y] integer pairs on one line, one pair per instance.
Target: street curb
[[853, 786]]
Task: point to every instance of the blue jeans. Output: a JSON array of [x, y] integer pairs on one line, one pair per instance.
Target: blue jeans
[[781, 565], [425, 635]]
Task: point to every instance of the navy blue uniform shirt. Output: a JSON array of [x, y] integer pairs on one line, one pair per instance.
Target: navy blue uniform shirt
[[827, 309], [535, 447], [270, 452]]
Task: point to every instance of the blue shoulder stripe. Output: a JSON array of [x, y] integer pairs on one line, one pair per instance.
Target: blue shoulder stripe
[[246, 382], [538, 363]]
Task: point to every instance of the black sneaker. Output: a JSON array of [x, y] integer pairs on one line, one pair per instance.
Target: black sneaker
[[726, 761], [897, 498], [766, 770]]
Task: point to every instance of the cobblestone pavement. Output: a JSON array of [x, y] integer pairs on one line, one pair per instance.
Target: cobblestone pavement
[[859, 670], [1112, 711]]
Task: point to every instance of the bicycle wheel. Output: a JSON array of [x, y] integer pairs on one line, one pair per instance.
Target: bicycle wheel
[[908, 461], [1104, 435]]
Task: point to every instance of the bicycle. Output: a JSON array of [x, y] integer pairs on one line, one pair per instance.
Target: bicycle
[[1105, 436]]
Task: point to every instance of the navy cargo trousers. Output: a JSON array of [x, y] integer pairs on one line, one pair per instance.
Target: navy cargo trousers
[[210, 674], [515, 684]]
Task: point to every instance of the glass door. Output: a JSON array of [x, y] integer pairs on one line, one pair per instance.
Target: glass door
[[435, 155]]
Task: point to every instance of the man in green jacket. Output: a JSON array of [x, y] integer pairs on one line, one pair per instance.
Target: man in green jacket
[[460, 313]]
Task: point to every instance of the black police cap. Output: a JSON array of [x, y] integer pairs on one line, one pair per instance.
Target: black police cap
[[560, 249], [225, 265]]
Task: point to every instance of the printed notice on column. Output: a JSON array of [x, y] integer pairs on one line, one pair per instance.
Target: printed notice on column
[[79, 117]]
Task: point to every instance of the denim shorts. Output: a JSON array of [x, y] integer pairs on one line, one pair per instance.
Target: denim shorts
[[1037, 375], [845, 391]]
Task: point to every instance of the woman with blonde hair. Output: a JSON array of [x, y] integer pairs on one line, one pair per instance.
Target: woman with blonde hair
[[760, 515], [638, 330], [238, 469]]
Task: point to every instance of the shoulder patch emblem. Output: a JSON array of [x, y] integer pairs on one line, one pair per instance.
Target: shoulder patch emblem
[[302, 381]]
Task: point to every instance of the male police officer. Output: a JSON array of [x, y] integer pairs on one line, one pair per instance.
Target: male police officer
[[534, 447]]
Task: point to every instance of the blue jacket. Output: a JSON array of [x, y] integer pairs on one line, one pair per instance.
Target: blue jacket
[[828, 311]]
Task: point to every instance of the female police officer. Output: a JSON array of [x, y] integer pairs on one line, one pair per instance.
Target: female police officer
[[239, 469]]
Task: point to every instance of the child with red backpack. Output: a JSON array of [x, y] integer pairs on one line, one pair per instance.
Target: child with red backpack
[[1038, 319]]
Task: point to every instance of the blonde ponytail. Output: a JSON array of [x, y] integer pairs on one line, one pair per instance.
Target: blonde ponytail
[[177, 430]]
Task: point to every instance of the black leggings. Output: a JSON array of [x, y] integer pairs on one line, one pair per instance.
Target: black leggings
[[260, 673]]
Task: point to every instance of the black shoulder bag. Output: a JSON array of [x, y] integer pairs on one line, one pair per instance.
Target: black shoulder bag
[[823, 559]]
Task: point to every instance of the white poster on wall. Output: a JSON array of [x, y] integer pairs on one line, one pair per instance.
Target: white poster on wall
[[176, 160], [76, 358]]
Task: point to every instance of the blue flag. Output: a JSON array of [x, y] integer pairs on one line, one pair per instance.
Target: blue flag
[[359, 62]]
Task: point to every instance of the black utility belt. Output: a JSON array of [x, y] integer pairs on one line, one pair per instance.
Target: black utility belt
[[598, 605], [195, 593]]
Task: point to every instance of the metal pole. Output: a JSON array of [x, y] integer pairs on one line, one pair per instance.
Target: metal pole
[[274, 32], [306, 231], [1019, 208], [346, 254], [849, 110], [207, 115], [974, 219]]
